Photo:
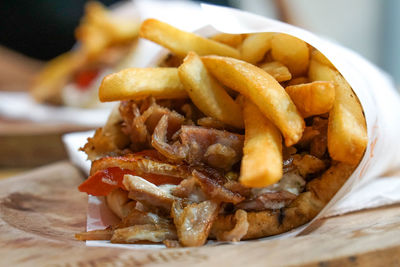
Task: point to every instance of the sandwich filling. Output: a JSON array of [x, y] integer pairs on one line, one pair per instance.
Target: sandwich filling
[[168, 171]]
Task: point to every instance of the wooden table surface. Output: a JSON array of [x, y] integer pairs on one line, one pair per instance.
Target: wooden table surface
[[40, 211], [25, 144]]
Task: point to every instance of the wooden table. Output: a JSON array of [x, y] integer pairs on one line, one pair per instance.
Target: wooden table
[[40, 211], [25, 144]]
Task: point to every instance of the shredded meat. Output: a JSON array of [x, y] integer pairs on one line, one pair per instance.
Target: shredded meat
[[139, 123], [193, 222], [219, 149], [238, 231], [237, 187], [171, 243], [104, 234], [147, 193], [308, 164], [220, 156], [137, 217], [190, 190], [199, 139], [141, 164], [143, 232], [318, 146], [315, 137], [119, 202], [175, 152], [273, 200], [216, 191]]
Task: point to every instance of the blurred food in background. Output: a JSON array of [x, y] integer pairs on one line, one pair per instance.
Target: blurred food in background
[[104, 40]]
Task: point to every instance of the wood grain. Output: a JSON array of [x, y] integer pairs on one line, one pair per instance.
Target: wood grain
[[41, 210]]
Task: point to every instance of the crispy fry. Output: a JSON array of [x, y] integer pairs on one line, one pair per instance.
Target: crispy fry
[[229, 39], [312, 98], [134, 83], [277, 70], [255, 46], [207, 94], [92, 39], [298, 80], [99, 29], [262, 151], [263, 90], [318, 56], [181, 42], [292, 52], [347, 132], [48, 85], [117, 28]]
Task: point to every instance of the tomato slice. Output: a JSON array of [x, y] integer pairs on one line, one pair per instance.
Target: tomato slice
[[84, 78], [104, 181]]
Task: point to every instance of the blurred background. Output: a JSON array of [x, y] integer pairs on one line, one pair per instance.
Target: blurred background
[[40, 30]]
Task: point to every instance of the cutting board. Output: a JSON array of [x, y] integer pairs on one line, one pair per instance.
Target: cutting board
[[41, 210]]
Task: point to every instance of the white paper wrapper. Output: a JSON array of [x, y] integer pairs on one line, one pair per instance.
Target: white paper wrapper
[[370, 185]]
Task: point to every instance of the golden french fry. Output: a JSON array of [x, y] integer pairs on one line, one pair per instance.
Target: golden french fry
[[93, 40], [262, 151], [229, 39], [318, 56], [277, 70], [347, 131], [312, 98], [180, 42], [134, 83], [255, 46], [270, 97], [54, 76], [292, 52], [99, 29], [117, 28], [298, 80], [207, 94]]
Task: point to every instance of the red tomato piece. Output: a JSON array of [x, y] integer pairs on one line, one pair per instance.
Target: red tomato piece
[[84, 78], [104, 181]]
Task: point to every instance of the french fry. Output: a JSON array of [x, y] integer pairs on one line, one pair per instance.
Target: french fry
[[277, 70], [207, 94], [255, 46], [53, 77], [312, 98], [180, 42], [270, 97], [347, 131], [99, 29], [229, 39], [298, 80], [292, 52], [262, 151], [93, 40], [134, 83], [318, 56], [117, 28]]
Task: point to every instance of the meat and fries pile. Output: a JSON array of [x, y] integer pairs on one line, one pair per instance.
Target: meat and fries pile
[[233, 137]]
